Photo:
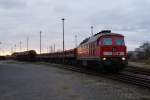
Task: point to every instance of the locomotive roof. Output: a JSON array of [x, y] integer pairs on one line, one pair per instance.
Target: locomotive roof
[[97, 36]]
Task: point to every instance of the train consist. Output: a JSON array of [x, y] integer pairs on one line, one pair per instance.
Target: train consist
[[105, 49], [24, 56], [2, 58]]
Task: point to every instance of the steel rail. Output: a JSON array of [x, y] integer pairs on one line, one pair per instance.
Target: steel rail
[[124, 76]]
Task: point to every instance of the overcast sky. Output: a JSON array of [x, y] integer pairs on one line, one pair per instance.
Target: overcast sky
[[22, 18]]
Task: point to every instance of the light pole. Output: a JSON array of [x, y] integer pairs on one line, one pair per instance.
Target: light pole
[[0, 48], [20, 46], [92, 30], [76, 41], [15, 47], [27, 43], [11, 50], [54, 47], [63, 40], [40, 41], [51, 49]]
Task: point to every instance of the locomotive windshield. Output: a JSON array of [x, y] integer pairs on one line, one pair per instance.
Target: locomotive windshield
[[112, 41], [120, 41], [107, 41]]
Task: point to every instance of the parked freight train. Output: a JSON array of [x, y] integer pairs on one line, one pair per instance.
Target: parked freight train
[[24, 56], [105, 49]]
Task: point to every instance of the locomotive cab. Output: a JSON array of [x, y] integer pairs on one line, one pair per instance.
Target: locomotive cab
[[113, 50]]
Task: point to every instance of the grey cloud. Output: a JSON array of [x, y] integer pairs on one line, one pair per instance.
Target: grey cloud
[[130, 17], [9, 4]]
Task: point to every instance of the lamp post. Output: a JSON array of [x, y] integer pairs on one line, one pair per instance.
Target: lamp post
[[0, 48], [40, 41], [54, 47], [63, 40], [92, 30], [76, 42], [15, 47], [27, 43], [11, 50], [20, 46]]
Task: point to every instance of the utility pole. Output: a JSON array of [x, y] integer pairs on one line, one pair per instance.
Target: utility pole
[[15, 47], [20, 45], [0, 48], [27, 43], [76, 41], [92, 30], [63, 40], [11, 50], [54, 47], [3, 52], [51, 49], [40, 41]]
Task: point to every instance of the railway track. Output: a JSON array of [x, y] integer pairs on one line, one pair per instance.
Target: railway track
[[132, 78], [136, 77], [138, 70]]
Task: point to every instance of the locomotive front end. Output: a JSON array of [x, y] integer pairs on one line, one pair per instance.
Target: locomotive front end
[[113, 52], [105, 49]]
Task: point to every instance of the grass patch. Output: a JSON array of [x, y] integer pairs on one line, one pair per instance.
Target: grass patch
[[13, 62], [145, 98], [65, 88], [144, 61], [147, 61]]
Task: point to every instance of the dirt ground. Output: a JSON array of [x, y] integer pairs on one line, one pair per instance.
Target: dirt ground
[[29, 81]]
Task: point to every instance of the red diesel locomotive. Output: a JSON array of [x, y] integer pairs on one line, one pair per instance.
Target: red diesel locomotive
[[104, 48]]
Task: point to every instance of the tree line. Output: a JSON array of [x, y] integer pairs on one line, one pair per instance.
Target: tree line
[[140, 53]]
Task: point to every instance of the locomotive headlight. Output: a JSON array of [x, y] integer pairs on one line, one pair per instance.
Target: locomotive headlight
[[123, 58], [104, 58]]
